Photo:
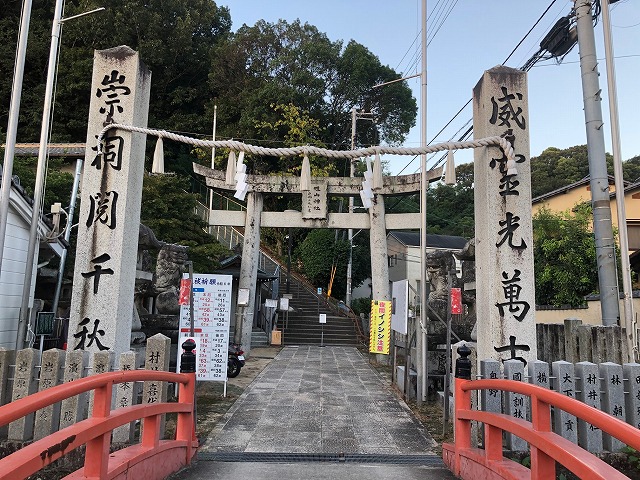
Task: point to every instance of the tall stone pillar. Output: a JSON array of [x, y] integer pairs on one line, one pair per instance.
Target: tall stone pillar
[[106, 255], [504, 238], [249, 270]]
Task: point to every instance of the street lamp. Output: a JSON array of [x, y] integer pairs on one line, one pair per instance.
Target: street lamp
[[354, 117]]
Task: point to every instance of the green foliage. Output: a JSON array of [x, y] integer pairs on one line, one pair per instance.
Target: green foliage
[[58, 184], [180, 67], [361, 305], [318, 253], [293, 63], [320, 250], [555, 168], [170, 212], [449, 207], [564, 256], [632, 456], [296, 127]]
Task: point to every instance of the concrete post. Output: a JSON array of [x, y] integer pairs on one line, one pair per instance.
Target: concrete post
[[602, 228], [249, 269]]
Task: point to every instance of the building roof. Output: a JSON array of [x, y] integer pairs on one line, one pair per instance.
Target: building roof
[[54, 149], [447, 242], [579, 183], [231, 266]]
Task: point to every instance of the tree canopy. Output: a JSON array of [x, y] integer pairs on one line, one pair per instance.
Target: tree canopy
[[271, 64], [564, 256], [175, 40]]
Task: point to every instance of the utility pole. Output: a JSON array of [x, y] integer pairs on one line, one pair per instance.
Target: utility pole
[[602, 228], [355, 116], [56, 30], [421, 343], [40, 173], [213, 157], [12, 126], [632, 341]]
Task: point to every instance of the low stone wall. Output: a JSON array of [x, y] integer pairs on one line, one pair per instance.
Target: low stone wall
[[23, 373]]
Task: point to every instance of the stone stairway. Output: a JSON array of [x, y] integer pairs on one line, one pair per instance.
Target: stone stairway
[[303, 325]]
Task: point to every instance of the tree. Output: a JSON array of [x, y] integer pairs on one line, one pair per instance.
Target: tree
[[170, 212], [293, 63], [321, 250], [564, 256], [180, 67]]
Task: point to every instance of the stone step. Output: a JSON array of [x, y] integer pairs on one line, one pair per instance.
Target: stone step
[[259, 339]]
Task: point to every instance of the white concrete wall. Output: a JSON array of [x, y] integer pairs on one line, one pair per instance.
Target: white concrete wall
[[12, 277]]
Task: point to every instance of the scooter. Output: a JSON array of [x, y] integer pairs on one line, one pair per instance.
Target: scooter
[[236, 360]]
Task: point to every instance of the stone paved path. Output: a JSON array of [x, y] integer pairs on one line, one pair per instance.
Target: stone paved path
[[319, 400]]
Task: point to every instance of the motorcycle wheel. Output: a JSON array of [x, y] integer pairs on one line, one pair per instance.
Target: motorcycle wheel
[[233, 367]]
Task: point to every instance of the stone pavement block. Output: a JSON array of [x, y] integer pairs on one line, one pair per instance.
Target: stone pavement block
[[342, 415]]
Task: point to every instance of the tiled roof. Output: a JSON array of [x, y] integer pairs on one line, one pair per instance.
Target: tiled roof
[[412, 239]]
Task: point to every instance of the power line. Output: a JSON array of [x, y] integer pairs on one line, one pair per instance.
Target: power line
[[469, 101]]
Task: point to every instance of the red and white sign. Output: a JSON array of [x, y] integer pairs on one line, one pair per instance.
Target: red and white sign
[[185, 291], [456, 301]]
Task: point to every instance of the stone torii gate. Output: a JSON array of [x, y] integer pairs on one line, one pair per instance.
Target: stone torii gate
[[314, 214]]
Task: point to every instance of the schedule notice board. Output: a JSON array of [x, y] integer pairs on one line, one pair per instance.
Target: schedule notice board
[[211, 314]]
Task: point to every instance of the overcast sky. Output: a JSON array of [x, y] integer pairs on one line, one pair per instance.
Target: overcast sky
[[473, 37]]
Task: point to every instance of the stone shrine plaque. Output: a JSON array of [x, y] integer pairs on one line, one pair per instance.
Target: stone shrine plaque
[[314, 202]]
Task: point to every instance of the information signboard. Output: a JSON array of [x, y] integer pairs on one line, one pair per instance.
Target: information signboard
[[45, 323], [212, 315]]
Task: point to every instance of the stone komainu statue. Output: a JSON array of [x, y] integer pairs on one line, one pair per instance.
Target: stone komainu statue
[[439, 263], [169, 268]]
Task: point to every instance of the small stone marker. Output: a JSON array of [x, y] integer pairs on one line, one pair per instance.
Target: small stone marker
[[51, 370], [632, 398], [588, 385], [126, 395], [156, 358], [564, 424], [74, 409], [100, 362], [539, 373], [612, 400], [515, 404], [490, 400], [7, 358], [24, 384]]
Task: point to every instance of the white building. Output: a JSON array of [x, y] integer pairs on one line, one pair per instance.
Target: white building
[[14, 259]]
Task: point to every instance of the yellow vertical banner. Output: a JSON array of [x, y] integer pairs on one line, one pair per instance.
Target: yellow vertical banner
[[380, 329]]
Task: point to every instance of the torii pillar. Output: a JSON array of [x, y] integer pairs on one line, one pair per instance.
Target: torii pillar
[[378, 245], [249, 270]]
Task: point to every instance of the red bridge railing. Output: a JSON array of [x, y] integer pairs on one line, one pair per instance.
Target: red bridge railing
[[152, 458], [546, 447]]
